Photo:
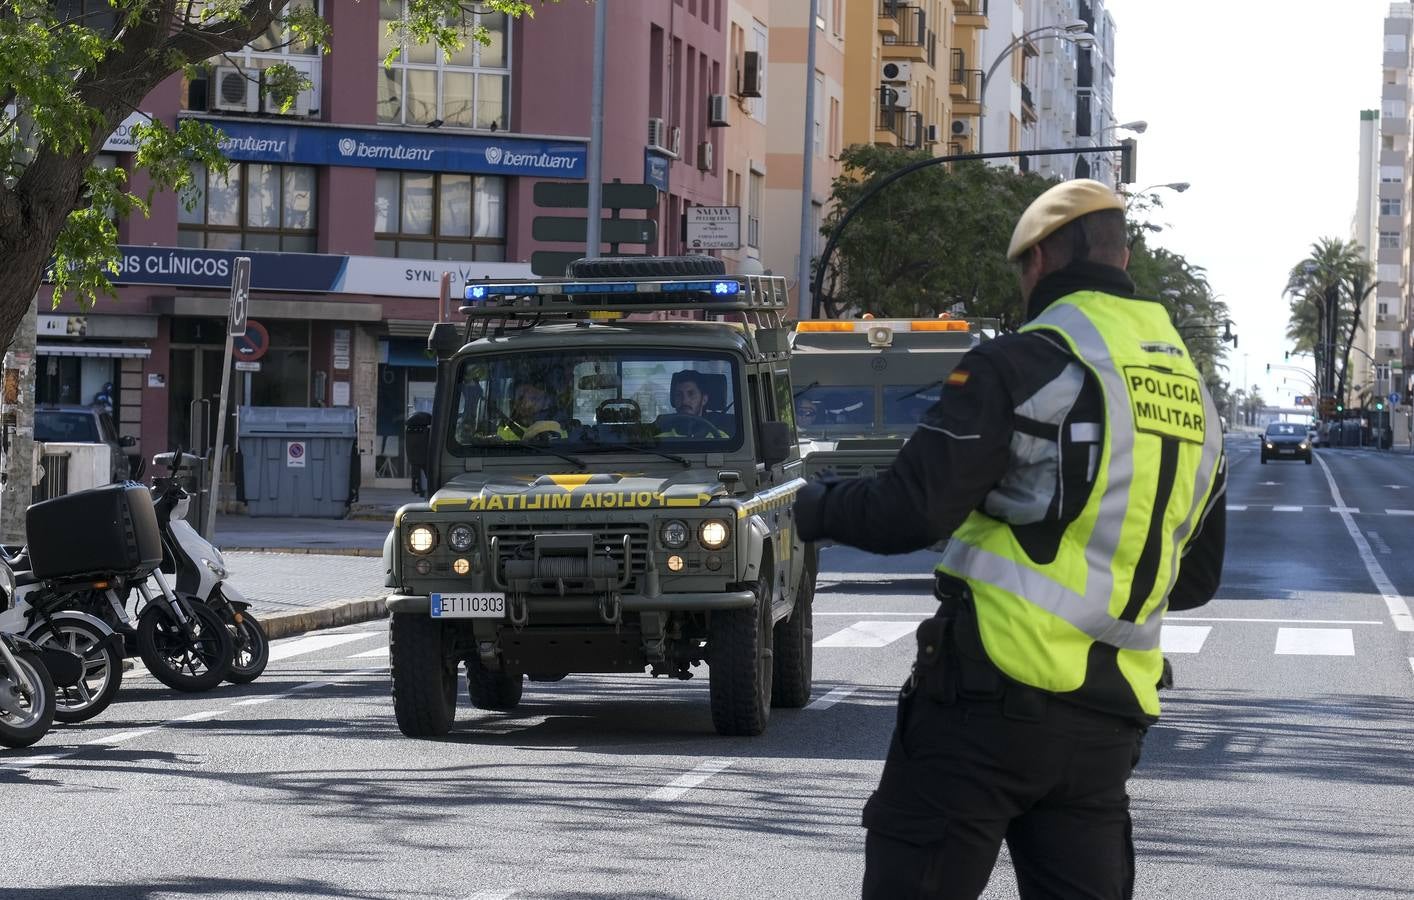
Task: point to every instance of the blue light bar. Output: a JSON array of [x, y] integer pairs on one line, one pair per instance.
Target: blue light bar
[[476, 292], [720, 288]]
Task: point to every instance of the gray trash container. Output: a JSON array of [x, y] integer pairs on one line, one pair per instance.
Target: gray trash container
[[296, 460]]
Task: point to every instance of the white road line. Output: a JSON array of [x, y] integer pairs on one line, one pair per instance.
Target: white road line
[[1183, 638], [1399, 512], [492, 895], [1394, 601], [1287, 508], [1234, 508], [833, 697], [868, 634], [916, 615], [1276, 621], [312, 643], [1411, 663], [1315, 642], [253, 701], [689, 780], [376, 651], [200, 716], [1353, 510], [120, 737]]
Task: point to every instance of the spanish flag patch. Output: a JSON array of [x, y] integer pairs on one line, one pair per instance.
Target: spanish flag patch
[[958, 378]]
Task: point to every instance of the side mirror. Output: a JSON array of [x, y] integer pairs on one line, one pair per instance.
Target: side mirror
[[127, 440], [418, 437], [775, 442], [445, 339]]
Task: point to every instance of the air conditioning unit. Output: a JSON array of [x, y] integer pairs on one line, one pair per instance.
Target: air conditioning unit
[[233, 91], [752, 76], [675, 140], [658, 134], [897, 96], [717, 111], [933, 132], [704, 156], [896, 71], [306, 101], [961, 128]]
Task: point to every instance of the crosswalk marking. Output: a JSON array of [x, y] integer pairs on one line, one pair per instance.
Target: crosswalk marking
[[1315, 642], [310, 644], [689, 780], [1236, 508], [1353, 510], [1399, 512], [1287, 508], [833, 697], [1183, 638], [376, 651], [868, 634]]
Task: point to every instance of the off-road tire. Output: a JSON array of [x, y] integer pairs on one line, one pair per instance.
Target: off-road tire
[[795, 645], [656, 267], [741, 665], [424, 679], [498, 691]]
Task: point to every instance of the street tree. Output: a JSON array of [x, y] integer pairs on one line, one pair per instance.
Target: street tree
[[70, 73], [1337, 270], [934, 241]]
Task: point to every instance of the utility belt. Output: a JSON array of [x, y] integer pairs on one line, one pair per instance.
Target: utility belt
[[953, 666]]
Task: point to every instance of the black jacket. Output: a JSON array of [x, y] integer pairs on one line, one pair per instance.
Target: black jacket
[[962, 447]]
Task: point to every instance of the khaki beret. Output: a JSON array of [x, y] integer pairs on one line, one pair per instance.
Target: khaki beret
[[1059, 205]]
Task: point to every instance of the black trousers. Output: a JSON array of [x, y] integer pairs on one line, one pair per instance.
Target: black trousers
[[961, 778]]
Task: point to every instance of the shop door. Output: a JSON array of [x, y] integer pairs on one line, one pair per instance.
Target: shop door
[[195, 375]]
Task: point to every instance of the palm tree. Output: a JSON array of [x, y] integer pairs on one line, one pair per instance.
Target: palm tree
[[1335, 270]]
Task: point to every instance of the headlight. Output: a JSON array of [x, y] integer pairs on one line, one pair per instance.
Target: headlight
[[1269, 446], [422, 539], [461, 537], [713, 534], [216, 568], [1301, 446], [674, 534]]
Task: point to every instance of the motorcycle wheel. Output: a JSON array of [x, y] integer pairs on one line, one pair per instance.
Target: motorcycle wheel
[[252, 650], [192, 665], [25, 716], [102, 669]]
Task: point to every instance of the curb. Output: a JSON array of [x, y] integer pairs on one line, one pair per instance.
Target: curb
[[348, 612], [312, 551]]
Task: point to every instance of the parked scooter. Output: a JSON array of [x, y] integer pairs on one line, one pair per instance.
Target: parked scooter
[[200, 570], [27, 696], [38, 611]]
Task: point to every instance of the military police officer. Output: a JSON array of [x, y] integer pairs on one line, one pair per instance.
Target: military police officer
[[1076, 469]]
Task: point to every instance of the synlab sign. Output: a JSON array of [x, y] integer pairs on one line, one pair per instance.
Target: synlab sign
[[434, 152]]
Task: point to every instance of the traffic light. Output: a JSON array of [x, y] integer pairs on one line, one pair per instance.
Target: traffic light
[[1129, 150], [1286, 356], [1269, 368], [1340, 407], [1379, 405]]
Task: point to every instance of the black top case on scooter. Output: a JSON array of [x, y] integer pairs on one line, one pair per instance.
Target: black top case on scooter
[[110, 530]]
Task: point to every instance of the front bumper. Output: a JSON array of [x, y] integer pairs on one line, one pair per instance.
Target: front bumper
[[420, 604]]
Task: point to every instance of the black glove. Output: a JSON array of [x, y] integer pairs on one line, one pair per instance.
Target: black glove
[[810, 510]]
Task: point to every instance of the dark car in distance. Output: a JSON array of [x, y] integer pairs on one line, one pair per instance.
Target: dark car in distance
[[1286, 440], [74, 424]]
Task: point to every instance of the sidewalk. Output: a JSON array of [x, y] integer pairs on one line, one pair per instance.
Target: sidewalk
[[361, 534]]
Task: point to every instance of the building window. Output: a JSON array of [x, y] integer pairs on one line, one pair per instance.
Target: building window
[[1395, 43], [1386, 142], [254, 206], [422, 215], [1388, 273], [423, 86], [1389, 206], [1392, 108], [1383, 309], [759, 43], [1389, 240], [1391, 174], [819, 114], [755, 190]]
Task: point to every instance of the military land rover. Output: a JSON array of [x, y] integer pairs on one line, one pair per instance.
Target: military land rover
[[609, 491], [863, 384]]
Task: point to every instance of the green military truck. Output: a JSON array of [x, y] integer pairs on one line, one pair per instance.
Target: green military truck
[[609, 491], [863, 384]]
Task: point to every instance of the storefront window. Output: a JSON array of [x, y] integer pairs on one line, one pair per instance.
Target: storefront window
[[283, 379], [254, 206], [419, 215], [423, 85]]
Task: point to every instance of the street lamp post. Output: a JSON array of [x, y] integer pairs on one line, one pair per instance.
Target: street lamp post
[[1075, 32]]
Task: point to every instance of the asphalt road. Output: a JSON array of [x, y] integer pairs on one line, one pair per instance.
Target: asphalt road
[[1281, 768]]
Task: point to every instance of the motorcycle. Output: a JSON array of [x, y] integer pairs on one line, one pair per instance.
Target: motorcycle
[[27, 695], [38, 612], [200, 570]]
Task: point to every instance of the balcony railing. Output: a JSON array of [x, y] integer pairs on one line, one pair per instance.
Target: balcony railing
[[889, 9], [891, 119], [913, 31], [969, 79], [1026, 97], [970, 7], [913, 135]]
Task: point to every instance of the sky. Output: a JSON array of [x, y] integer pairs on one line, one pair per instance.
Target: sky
[[1257, 104]]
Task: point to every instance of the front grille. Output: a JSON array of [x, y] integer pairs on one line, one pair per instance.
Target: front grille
[[517, 541]]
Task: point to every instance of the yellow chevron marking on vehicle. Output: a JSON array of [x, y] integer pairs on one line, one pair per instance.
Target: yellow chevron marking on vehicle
[[571, 481], [449, 503], [695, 501]]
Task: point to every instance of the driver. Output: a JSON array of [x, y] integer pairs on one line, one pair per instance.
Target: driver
[[532, 413], [689, 397]]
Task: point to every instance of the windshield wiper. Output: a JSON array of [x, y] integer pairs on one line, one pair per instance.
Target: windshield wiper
[[813, 384], [926, 387], [537, 448], [636, 448]]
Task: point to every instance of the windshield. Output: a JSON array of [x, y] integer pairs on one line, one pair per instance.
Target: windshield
[[604, 400], [905, 405], [65, 427], [834, 409], [1286, 428]]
